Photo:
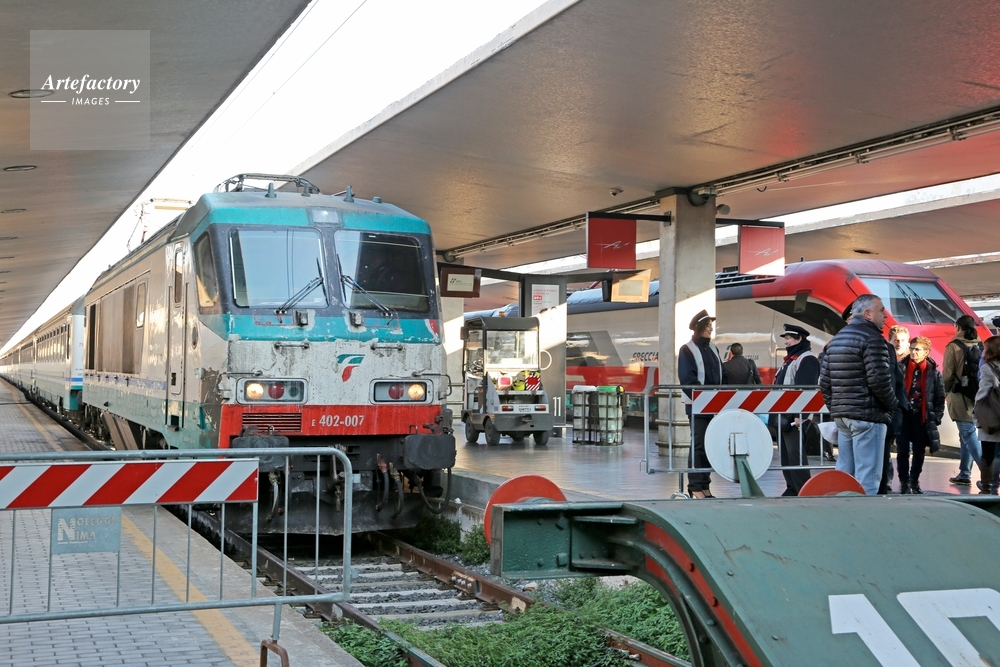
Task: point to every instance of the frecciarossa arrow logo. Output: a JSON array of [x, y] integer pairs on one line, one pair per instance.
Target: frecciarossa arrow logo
[[349, 362]]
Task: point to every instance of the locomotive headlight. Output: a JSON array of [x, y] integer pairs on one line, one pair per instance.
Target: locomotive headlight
[[271, 391], [393, 391]]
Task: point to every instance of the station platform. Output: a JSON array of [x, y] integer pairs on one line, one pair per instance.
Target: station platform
[[213, 638], [616, 472]]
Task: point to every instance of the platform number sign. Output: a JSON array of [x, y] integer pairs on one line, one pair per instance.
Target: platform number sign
[[931, 610]]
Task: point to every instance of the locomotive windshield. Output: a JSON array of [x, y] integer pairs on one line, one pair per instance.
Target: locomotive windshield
[[274, 267], [915, 301], [388, 268]]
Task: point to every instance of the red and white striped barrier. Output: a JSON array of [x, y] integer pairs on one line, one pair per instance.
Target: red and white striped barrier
[[758, 401], [39, 485]]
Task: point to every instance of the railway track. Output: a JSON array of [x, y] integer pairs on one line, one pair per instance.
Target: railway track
[[400, 583], [404, 583]]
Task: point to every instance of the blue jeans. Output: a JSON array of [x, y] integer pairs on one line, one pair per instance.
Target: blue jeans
[[860, 446], [969, 447]]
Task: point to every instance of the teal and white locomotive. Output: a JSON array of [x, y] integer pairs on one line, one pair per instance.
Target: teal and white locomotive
[[273, 317]]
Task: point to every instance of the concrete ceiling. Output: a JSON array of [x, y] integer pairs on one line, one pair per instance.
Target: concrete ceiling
[[199, 52], [599, 94]]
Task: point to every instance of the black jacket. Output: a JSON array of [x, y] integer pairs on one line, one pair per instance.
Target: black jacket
[[687, 368], [855, 374], [933, 399], [742, 370], [899, 379]]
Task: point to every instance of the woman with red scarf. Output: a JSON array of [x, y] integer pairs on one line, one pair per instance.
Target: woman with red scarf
[[925, 391]]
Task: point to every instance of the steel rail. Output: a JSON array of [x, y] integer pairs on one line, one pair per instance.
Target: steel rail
[[493, 592]]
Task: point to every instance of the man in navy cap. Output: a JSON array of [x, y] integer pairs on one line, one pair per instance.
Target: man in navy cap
[[699, 362], [801, 367]]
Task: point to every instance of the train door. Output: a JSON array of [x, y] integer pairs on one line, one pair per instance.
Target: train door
[[176, 340]]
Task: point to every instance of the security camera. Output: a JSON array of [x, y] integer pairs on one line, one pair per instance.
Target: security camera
[[616, 191]]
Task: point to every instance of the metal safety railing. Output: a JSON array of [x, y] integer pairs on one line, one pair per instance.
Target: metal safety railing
[[86, 493], [800, 402]]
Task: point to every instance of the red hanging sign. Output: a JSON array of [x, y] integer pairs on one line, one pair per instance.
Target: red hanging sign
[[610, 243], [762, 250]]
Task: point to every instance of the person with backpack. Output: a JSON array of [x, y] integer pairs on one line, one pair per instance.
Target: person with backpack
[[989, 381], [961, 382]]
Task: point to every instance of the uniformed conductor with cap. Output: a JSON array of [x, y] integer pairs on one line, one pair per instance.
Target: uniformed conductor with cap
[[800, 367], [699, 362]]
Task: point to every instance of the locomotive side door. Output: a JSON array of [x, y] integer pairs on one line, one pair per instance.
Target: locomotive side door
[[176, 340]]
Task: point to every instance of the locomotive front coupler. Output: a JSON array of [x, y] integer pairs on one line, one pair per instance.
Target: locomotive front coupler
[[250, 438]]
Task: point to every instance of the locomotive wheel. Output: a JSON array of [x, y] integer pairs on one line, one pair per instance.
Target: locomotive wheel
[[541, 437], [471, 434], [492, 434]]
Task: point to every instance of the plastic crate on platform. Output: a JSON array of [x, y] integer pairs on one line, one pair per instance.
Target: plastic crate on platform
[[598, 416]]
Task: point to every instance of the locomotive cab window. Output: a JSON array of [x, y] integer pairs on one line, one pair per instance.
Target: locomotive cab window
[[275, 268], [178, 277], [381, 271], [204, 266], [915, 301]]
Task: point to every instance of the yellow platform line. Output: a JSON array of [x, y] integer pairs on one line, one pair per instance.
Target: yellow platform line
[[220, 629], [223, 632]]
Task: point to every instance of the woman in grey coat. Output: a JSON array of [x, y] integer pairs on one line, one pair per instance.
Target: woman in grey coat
[[989, 379]]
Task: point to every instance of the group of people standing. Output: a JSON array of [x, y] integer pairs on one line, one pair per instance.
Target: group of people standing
[[699, 362], [878, 392]]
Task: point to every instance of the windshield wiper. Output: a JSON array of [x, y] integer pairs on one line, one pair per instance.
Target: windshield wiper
[[389, 313], [928, 302], [304, 292]]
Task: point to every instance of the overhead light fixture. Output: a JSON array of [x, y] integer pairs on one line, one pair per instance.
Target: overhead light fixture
[[7, 238], [28, 93], [8, 257], [936, 134], [862, 251], [20, 167], [14, 210]]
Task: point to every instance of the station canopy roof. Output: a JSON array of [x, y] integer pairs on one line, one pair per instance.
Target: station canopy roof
[[575, 101], [52, 215], [582, 99]]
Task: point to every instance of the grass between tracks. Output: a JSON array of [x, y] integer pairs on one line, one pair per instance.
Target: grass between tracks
[[444, 536], [543, 636], [566, 634]]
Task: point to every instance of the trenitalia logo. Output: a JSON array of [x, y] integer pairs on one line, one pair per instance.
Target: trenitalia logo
[[350, 361], [89, 83]]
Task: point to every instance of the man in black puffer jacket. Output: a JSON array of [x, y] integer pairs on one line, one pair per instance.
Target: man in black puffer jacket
[[857, 384]]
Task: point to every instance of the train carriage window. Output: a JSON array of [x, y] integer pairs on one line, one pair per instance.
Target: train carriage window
[[207, 279], [382, 270], [274, 267], [140, 306], [915, 301]]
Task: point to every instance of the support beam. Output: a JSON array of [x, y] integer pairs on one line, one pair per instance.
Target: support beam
[[687, 285]]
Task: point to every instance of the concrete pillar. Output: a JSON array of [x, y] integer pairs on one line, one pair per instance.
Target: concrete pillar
[[452, 315], [687, 285]]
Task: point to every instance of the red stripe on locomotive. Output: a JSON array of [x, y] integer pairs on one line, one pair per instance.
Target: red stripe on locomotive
[[325, 420]]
